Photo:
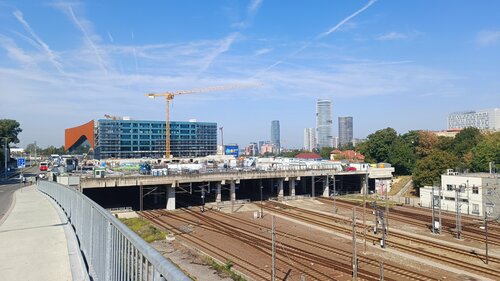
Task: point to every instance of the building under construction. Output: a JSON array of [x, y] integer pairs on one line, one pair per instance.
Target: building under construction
[[125, 138]]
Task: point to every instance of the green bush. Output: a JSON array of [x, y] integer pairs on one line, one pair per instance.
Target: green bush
[[144, 229]]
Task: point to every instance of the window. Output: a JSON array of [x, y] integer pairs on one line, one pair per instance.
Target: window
[[462, 188], [475, 209], [475, 189], [449, 187]]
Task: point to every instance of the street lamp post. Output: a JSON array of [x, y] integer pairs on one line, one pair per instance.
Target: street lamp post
[[5, 157]]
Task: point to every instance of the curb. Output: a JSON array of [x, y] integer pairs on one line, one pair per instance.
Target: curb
[[12, 204]]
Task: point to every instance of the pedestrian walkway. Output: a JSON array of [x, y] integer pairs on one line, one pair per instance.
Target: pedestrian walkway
[[33, 243]]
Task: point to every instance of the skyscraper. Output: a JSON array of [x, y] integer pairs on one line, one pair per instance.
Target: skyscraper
[[324, 123], [345, 130], [309, 139], [275, 135]]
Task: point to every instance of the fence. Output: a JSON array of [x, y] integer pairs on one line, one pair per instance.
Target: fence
[[111, 250]]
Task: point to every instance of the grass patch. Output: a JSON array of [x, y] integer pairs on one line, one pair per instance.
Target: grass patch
[[399, 184], [224, 269], [144, 229]]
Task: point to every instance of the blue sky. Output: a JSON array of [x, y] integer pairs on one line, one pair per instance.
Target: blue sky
[[387, 63]]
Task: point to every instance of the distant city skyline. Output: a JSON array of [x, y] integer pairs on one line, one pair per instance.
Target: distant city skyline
[[399, 64]]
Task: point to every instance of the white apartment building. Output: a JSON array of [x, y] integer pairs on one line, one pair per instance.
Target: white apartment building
[[487, 119], [476, 193], [309, 139]]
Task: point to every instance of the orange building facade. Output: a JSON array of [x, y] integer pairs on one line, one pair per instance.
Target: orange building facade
[[75, 136]]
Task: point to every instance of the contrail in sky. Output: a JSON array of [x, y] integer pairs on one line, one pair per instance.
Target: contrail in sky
[[91, 43], [50, 54], [320, 36]]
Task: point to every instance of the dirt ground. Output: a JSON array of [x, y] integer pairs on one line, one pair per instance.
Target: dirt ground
[[189, 260]]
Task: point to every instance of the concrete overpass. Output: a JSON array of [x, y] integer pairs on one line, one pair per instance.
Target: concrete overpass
[[318, 181]]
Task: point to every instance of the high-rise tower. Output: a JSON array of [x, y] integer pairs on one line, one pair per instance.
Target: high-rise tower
[[309, 139], [324, 123], [275, 135], [345, 130]]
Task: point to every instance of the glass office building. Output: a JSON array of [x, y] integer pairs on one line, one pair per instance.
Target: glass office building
[[324, 123], [345, 130], [138, 138], [275, 135]]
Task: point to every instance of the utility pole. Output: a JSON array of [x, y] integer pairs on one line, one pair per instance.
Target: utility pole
[[458, 217], [5, 158], [364, 211], [386, 212], [273, 239], [382, 271], [354, 254], [334, 196], [440, 195], [486, 234], [384, 229], [261, 201], [203, 198], [433, 219]]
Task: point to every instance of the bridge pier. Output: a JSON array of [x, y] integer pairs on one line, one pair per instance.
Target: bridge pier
[[218, 195], [280, 190], [232, 191], [171, 196], [326, 187], [291, 187]]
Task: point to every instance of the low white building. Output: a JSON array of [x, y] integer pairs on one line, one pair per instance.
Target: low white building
[[475, 193]]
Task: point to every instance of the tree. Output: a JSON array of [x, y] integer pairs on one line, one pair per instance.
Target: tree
[[10, 129], [290, 154], [488, 150], [430, 168], [378, 145], [402, 157], [325, 152], [347, 146], [52, 150], [427, 142], [464, 141]]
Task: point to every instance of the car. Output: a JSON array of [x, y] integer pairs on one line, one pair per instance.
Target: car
[[44, 166]]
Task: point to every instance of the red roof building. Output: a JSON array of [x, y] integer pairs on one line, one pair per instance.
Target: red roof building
[[308, 155], [349, 155]]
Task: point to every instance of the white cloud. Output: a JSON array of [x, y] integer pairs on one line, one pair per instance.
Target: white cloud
[[254, 6], [488, 37], [392, 36], [262, 51], [16, 53]]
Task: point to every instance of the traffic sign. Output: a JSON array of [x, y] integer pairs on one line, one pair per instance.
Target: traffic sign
[[21, 163]]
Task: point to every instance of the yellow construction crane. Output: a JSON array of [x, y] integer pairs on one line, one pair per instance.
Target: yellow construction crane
[[170, 96], [111, 117]]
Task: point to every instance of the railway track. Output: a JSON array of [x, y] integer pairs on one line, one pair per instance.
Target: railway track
[[298, 254], [261, 245], [398, 271], [470, 228], [490, 272]]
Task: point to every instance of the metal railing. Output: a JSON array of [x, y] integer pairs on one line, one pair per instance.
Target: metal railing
[[111, 250]]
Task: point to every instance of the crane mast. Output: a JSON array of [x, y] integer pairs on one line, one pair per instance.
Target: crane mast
[[170, 96]]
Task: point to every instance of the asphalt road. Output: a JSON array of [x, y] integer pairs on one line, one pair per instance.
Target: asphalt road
[[7, 189]]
